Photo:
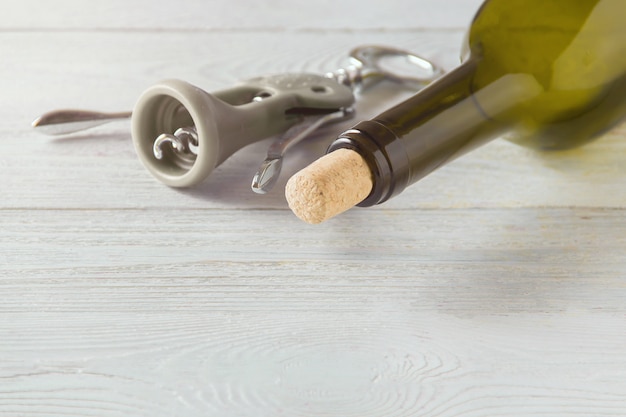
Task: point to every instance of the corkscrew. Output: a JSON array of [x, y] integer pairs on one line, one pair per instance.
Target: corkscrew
[[181, 133]]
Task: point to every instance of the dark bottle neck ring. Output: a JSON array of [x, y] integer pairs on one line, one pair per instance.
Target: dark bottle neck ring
[[385, 154]]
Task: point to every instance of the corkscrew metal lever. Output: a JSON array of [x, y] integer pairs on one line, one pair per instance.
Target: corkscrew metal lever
[[63, 122], [181, 133]]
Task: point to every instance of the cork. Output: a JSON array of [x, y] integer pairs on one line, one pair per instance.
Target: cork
[[329, 186]]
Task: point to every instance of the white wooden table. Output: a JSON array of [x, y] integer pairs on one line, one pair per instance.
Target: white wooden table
[[496, 287]]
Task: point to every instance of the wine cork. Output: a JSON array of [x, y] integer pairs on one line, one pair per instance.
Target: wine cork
[[329, 186]]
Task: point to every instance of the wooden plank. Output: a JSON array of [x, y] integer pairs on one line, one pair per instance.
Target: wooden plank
[[110, 70], [458, 312], [276, 16], [367, 364], [562, 246]]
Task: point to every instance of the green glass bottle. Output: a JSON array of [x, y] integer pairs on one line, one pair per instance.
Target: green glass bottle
[[549, 74]]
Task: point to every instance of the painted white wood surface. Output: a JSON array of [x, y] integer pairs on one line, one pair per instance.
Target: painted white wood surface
[[244, 15], [496, 287]]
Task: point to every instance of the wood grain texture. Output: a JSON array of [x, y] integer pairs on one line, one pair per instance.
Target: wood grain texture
[[144, 317], [495, 287], [270, 16]]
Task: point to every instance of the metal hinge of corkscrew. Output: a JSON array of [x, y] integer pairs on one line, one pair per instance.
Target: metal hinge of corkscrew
[[181, 133]]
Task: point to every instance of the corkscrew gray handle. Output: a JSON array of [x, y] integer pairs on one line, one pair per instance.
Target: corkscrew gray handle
[[181, 133]]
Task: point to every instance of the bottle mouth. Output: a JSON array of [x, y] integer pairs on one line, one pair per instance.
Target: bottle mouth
[[384, 153]]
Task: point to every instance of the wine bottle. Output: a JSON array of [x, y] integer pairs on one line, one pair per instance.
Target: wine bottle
[[549, 74]]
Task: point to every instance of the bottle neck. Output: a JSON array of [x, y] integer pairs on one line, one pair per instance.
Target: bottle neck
[[442, 122]]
